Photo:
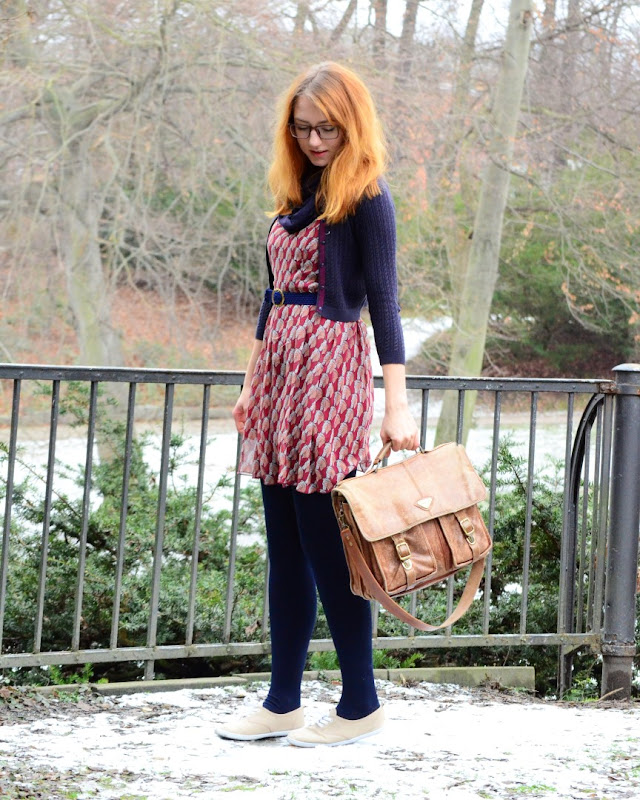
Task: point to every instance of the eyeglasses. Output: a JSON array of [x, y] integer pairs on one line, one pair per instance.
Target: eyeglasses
[[323, 131]]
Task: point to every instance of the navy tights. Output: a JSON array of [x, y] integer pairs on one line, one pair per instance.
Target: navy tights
[[305, 552]]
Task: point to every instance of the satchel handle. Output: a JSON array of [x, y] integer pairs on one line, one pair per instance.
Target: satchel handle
[[384, 453]]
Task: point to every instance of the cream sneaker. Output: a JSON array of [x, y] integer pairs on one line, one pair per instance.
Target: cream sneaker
[[263, 724], [333, 730]]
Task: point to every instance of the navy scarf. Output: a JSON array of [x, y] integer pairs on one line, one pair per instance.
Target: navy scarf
[[304, 214]]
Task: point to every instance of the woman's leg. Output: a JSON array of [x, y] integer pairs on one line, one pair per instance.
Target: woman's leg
[[349, 616], [292, 600]]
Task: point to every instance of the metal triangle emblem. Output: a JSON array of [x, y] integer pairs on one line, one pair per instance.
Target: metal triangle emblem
[[425, 503]]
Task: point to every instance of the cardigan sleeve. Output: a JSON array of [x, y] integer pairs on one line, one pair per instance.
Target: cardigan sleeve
[[266, 306], [375, 231]]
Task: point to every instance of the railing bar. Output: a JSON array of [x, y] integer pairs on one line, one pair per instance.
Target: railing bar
[[451, 582], [413, 609], [236, 378], [233, 549], [603, 527], [195, 551], [424, 418], [375, 616], [152, 629], [495, 446], [217, 649], [526, 557], [265, 602], [460, 417], [567, 548], [459, 431], [6, 529], [39, 372], [423, 443], [84, 527], [44, 553], [566, 620], [122, 529], [584, 524], [595, 517]]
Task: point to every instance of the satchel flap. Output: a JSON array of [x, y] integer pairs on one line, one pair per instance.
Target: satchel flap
[[422, 487]]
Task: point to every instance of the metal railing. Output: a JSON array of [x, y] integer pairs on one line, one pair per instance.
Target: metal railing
[[594, 510]]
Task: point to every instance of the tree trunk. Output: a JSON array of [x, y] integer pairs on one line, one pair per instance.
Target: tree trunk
[[79, 219], [301, 17], [549, 16], [482, 272], [380, 33], [341, 27], [405, 47], [569, 61], [456, 235], [89, 293], [15, 39]]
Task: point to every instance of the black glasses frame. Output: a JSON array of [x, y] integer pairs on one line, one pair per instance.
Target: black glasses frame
[[317, 129]]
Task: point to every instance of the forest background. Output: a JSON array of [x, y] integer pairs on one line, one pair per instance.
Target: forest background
[[135, 138]]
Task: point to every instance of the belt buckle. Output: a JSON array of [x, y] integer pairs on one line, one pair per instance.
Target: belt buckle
[[273, 297]]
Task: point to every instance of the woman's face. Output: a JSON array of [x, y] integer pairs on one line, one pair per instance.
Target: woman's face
[[307, 117]]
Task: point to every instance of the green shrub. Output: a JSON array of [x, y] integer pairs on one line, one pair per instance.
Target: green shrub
[[64, 548]]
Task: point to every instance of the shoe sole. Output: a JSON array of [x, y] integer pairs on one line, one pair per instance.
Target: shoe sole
[[299, 743], [250, 737]]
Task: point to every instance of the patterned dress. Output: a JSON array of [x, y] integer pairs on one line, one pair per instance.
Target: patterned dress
[[311, 406]]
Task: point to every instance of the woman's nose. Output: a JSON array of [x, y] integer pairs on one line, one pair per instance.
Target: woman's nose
[[314, 138]]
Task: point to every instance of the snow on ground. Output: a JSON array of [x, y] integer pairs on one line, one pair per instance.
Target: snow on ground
[[440, 742]]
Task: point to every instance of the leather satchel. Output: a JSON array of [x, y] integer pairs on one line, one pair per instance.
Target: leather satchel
[[412, 524]]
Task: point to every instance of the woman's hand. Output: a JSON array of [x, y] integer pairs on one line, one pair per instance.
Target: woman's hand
[[240, 409], [398, 426]]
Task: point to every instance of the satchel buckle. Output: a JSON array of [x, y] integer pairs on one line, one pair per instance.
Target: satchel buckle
[[468, 528], [404, 554]]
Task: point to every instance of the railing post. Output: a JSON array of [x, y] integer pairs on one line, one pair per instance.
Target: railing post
[[618, 639]]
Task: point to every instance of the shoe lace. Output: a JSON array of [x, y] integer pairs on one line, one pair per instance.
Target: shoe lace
[[324, 720]]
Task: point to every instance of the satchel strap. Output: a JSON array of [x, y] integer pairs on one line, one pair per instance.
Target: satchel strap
[[377, 592]]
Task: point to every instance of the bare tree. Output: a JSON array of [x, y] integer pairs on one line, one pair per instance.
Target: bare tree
[[482, 272], [302, 15], [379, 33], [406, 45], [455, 178], [345, 19]]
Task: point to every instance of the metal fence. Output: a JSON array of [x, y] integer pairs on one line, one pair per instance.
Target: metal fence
[[578, 421]]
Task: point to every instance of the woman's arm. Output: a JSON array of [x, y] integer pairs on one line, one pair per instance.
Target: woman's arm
[[375, 226], [240, 409], [398, 425]]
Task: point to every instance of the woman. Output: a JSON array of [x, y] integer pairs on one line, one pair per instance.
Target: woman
[[307, 404]]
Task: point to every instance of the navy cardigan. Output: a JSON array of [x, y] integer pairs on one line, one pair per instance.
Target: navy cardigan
[[357, 264]]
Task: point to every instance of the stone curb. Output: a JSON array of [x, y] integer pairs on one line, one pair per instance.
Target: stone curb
[[504, 677]]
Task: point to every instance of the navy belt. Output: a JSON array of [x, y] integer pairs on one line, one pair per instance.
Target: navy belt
[[279, 298]]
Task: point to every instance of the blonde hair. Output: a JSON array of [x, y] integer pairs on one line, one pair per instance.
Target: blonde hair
[[354, 171]]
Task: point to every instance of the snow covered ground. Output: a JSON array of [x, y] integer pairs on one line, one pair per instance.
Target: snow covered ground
[[440, 742]]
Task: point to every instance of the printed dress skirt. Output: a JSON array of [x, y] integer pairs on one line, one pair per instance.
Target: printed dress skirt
[[311, 408]]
